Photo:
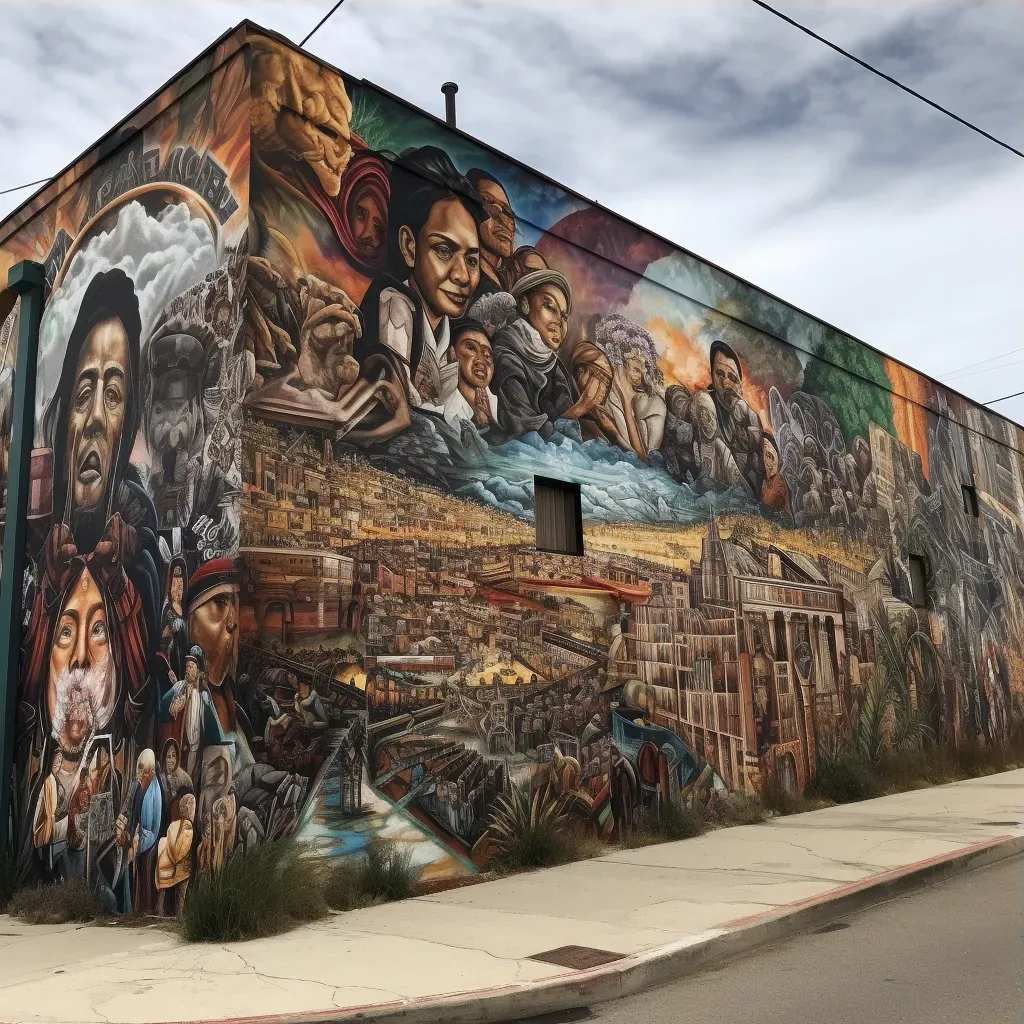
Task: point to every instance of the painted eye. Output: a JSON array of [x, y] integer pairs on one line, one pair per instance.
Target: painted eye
[[444, 252], [99, 632], [65, 635]]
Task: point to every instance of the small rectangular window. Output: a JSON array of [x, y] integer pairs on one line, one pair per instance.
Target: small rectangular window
[[918, 590], [970, 500], [558, 516]]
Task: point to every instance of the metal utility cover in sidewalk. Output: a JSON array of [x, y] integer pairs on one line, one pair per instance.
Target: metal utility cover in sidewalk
[[579, 958]]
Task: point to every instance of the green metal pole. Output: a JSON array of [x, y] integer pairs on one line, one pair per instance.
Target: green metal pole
[[27, 279]]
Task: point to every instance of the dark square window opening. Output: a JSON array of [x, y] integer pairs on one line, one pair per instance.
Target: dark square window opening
[[558, 516], [918, 576], [970, 500]]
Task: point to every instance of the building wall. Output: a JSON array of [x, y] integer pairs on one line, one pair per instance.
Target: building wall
[[732, 607], [134, 524], [380, 383]]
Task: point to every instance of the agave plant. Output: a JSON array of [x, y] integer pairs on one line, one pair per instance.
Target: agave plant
[[525, 827], [905, 655], [870, 727]]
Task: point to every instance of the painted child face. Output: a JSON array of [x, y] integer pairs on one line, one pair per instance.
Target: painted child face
[[475, 358]]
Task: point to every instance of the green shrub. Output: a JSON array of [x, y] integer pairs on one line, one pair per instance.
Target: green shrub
[[56, 903], [842, 775], [736, 808], [264, 892], [672, 822], [342, 885], [385, 872], [527, 832], [677, 822]]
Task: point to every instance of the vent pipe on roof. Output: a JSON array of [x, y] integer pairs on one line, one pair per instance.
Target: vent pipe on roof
[[449, 89]]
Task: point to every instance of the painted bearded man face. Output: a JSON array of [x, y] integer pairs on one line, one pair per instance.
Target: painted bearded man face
[[81, 691], [213, 625], [97, 412]]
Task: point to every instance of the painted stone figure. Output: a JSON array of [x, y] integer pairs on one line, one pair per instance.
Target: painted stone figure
[[173, 423]]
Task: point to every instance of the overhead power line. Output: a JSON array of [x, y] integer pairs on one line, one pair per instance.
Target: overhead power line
[[986, 369], [320, 24], [981, 362], [881, 74], [28, 184], [1005, 398]]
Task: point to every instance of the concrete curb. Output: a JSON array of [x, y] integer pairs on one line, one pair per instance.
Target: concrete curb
[[653, 967]]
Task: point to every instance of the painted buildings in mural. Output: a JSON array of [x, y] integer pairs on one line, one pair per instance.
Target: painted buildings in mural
[[304, 355]]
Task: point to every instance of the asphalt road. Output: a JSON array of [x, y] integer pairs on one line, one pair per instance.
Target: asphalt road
[[949, 953]]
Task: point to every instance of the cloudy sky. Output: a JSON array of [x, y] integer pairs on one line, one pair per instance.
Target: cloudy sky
[[713, 123]]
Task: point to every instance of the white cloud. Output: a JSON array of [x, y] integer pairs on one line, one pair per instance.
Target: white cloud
[[714, 124]]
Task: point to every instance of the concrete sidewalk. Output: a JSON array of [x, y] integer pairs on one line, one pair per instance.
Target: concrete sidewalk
[[465, 955]]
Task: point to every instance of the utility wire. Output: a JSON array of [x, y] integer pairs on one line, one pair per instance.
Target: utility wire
[[320, 24], [28, 184], [986, 369], [1005, 398], [981, 362], [881, 74]]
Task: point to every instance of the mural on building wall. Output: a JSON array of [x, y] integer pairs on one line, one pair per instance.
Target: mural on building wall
[[134, 764], [433, 328], [304, 356]]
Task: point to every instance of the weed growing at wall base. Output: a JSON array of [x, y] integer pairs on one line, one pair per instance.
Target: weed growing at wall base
[[267, 891], [60, 903]]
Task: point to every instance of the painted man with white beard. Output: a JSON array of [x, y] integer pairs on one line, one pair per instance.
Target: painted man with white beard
[[86, 676], [80, 695]]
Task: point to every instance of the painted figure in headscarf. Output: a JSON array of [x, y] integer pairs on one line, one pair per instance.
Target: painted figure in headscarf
[[91, 423], [85, 677], [534, 389]]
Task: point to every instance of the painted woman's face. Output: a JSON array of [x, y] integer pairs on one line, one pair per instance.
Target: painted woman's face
[[549, 314], [771, 460], [444, 258]]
